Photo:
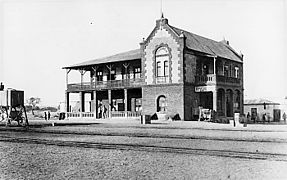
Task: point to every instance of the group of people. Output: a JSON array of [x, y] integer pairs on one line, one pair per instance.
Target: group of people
[[265, 117]]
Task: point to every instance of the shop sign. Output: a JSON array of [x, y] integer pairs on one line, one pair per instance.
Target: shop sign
[[204, 88]]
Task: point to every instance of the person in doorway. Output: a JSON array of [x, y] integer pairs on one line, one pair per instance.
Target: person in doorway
[[248, 117], [45, 115], [49, 115], [264, 118], [105, 112], [100, 111], [284, 117]]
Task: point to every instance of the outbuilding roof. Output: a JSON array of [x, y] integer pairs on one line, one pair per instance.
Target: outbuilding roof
[[259, 102]]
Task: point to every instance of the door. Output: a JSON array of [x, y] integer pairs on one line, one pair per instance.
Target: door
[[276, 115], [253, 113]]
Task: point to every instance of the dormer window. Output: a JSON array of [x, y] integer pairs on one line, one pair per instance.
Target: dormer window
[[162, 65]]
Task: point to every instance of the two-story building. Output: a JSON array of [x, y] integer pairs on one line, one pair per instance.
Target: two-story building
[[173, 72]]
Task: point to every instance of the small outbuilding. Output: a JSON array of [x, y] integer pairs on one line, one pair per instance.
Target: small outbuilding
[[257, 108]]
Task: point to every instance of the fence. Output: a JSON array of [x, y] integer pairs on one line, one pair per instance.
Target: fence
[[114, 114]]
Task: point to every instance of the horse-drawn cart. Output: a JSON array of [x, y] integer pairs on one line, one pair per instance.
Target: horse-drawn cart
[[12, 107]]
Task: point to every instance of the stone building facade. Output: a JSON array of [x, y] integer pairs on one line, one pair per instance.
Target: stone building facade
[[173, 72]]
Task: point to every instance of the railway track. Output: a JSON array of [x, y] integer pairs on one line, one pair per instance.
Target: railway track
[[142, 135], [147, 148]]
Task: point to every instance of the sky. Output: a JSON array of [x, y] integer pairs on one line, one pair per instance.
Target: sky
[[39, 37]]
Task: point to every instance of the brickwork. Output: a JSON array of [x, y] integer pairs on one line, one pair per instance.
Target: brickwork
[[173, 94], [191, 100], [190, 68], [162, 34]]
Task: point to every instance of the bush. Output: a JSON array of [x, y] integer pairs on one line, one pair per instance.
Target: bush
[[176, 117], [154, 117]]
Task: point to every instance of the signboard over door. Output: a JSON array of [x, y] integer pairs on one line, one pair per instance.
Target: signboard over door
[[204, 88]]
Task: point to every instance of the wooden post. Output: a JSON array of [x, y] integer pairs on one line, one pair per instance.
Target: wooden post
[[82, 71], [126, 101], [126, 65], [110, 102], [214, 66], [95, 75], [95, 103], [67, 103], [67, 77]]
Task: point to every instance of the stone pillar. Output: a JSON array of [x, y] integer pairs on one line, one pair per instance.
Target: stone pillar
[[67, 103], [214, 102], [110, 102], [126, 101]]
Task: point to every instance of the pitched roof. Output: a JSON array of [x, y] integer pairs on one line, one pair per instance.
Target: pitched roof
[[259, 101], [193, 42], [209, 46], [125, 56]]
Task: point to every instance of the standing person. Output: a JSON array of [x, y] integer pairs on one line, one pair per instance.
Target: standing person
[[264, 118], [105, 112], [49, 115], [248, 117], [45, 114], [284, 117], [100, 111]]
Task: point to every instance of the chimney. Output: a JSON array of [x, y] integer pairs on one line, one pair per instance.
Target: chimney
[[225, 41]]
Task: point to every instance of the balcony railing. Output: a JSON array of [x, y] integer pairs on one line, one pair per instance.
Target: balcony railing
[[106, 84], [205, 79], [212, 78]]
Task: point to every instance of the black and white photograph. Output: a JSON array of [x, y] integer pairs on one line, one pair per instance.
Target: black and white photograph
[[143, 89]]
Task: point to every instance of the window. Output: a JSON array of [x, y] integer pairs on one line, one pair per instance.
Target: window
[[166, 70], [137, 72], [236, 72], [162, 65], [99, 76], [158, 69], [112, 75], [226, 71]]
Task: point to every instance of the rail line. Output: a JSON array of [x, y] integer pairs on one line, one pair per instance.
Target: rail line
[[144, 135], [148, 148]]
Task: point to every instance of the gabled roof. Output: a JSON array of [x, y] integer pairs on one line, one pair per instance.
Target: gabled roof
[[193, 42], [125, 56], [209, 46], [259, 102]]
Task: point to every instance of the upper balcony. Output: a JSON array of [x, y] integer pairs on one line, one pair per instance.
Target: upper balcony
[[98, 85], [212, 79]]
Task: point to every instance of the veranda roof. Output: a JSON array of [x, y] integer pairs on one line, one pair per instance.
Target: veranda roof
[[125, 56]]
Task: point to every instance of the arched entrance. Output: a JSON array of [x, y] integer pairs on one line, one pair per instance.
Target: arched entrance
[[161, 104]]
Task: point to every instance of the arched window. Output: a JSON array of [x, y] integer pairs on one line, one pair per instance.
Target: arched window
[[162, 65]]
